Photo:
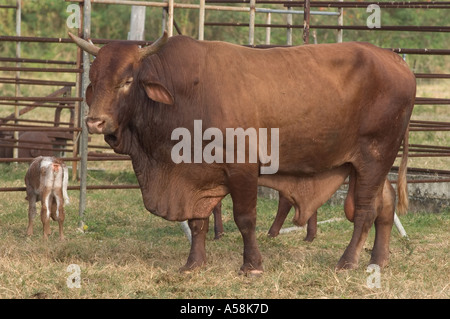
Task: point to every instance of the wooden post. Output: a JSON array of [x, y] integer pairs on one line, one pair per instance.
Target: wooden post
[[169, 18], [251, 32], [201, 21], [268, 21], [306, 15], [340, 23], [289, 21]]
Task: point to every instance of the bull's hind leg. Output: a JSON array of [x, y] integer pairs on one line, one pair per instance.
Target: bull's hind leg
[[383, 225], [197, 254], [368, 186]]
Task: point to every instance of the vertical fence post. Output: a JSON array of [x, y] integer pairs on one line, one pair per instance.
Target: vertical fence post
[[251, 31], [17, 86], [201, 20], [306, 15], [289, 21], [268, 21], [84, 112], [340, 23], [169, 18], [137, 23]]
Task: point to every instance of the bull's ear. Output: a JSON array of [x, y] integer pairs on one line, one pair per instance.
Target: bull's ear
[[88, 95], [157, 92]]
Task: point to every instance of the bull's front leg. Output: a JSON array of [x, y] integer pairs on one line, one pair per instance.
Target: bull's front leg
[[197, 255], [243, 192]]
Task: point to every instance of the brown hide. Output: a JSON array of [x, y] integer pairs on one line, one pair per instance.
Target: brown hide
[[325, 100], [338, 108]]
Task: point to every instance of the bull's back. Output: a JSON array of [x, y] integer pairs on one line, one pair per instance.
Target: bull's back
[[316, 95]]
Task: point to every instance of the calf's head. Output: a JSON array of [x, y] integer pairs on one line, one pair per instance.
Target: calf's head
[[113, 77]]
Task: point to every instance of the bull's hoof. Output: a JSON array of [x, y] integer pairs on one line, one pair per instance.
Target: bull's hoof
[[345, 265], [218, 236], [191, 267], [249, 271], [273, 234], [309, 238], [381, 262]]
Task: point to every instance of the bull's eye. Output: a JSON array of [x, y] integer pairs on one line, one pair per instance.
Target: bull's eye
[[126, 83]]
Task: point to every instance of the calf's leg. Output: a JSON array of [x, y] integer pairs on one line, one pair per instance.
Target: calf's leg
[[45, 211], [31, 197], [57, 212]]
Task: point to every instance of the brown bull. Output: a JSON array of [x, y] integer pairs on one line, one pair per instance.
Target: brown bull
[[334, 105]]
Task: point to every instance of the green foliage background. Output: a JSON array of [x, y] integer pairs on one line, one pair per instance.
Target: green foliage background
[[47, 18]]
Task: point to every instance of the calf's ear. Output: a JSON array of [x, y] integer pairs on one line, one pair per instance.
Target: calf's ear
[[157, 92]]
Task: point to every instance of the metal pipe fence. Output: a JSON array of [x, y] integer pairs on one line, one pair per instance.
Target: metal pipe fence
[[80, 153]]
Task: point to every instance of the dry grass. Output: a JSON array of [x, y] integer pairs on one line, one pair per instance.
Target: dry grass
[[128, 253]]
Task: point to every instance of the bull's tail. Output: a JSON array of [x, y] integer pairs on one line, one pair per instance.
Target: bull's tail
[[402, 189], [65, 183]]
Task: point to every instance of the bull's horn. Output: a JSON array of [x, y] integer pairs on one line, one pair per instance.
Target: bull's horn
[[85, 45], [155, 46]]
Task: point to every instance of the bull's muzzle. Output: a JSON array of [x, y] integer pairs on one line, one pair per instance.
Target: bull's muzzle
[[95, 125]]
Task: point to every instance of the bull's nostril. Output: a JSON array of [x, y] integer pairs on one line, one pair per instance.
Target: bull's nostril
[[95, 125]]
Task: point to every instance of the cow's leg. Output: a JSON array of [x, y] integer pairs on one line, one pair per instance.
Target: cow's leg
[[197, 255], [218, 224], [31, 211], [367, 188], [284, 206], [383, 225], [311, 229]]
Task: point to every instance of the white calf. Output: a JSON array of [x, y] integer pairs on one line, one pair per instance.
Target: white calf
[[46, 180]]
